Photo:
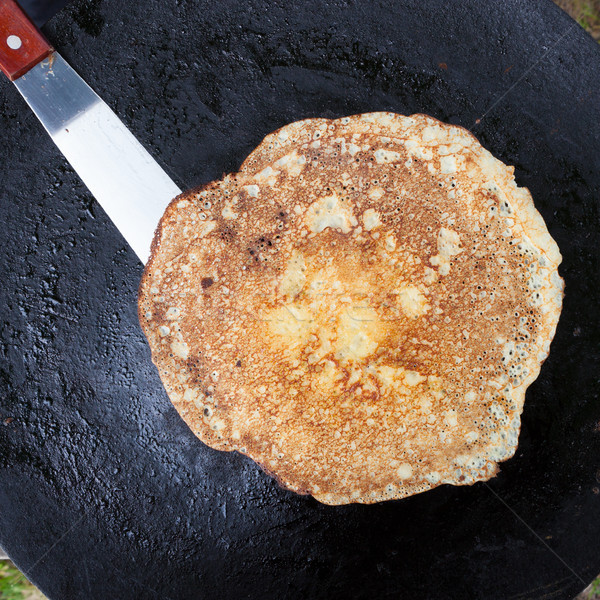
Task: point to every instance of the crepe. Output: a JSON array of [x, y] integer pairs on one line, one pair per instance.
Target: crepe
[[359, 309]]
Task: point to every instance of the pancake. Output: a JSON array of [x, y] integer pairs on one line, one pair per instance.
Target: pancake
[[360, 309]]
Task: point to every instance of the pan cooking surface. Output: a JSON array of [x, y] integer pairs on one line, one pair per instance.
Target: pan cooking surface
[[104, 492]]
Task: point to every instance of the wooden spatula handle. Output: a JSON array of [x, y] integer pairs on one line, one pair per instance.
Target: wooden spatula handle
[[22, 46]]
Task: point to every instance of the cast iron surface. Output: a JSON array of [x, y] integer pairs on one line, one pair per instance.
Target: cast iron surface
[[104, 492], [40, 11]]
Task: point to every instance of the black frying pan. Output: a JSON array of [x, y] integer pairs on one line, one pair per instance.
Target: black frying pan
[[104, 492]]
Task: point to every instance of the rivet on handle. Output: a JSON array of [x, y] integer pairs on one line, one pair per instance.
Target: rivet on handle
[[14, 42]]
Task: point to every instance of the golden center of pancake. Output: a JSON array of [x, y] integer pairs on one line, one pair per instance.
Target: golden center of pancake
[[338, 314]]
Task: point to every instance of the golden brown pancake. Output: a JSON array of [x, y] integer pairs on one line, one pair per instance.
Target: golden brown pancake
[[359, 309]]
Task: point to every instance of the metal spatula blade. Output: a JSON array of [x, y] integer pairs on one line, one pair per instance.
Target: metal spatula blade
[[129, 184]]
